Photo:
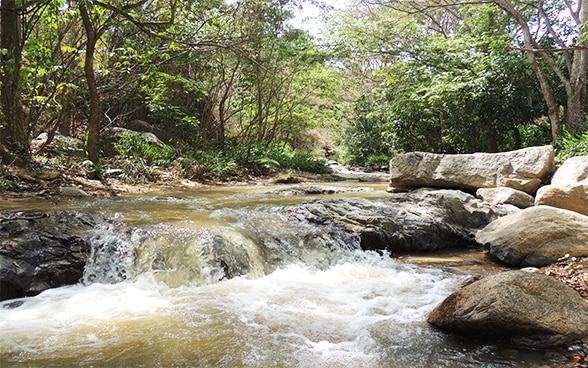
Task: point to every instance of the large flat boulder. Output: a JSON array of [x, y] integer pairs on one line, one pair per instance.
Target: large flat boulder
[[523, 169], [516, 306], [536, 236], [422, 220], [568, 188]]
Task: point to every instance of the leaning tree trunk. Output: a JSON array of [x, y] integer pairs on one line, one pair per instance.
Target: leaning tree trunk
[[13, 132]]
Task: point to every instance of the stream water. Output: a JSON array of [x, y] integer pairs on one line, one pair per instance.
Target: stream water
[[155, 294]]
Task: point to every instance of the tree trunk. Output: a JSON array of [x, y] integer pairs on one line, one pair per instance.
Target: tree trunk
[[576, 99], [549, 98], [93, 139], [13, 132]]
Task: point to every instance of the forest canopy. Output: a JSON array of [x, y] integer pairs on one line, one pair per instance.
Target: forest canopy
[[231, 84]]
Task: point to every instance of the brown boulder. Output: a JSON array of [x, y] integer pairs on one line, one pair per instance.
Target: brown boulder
[[529, 310], [524, 169], [504, 195], [536, 236]]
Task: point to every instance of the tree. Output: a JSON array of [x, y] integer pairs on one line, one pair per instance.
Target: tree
[[447, 86], [553, 36], [13, 137]]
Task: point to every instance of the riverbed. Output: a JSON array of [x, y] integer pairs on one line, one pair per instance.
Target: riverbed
[[155, 295]]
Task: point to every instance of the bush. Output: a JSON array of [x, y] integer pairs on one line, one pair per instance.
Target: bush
[[570, 145], [133, 146]]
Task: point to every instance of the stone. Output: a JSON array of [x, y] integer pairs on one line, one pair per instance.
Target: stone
[[72, 192], [536, 236], [140, 126], [571, 197], [505, 195], [573, 171], [39, 251], [568, 188], [518, 307], [422, 220], [523, 169]]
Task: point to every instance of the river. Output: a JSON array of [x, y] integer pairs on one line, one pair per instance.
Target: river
[[154, 293]]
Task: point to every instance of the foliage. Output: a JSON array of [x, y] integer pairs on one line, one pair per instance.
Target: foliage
[[254, 158], [134, 147], [457, 89], [571, 145], [8, 182]]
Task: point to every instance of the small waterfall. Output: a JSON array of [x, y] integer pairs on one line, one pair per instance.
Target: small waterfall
[[250, 243]]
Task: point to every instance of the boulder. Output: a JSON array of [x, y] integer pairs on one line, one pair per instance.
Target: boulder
[[517, 306], [422, 220], [524, 169], [140, 126], [536, 236], [572, 197], [569, 187], [573, 171], [505, 195], [39, 251], [73, 192]]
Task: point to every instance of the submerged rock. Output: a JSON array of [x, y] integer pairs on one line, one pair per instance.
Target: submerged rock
[[39, 251], [517, 306], [423, 220], [536, 236], [524, 169]]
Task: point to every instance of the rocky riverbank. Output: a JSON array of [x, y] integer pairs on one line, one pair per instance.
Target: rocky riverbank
[[512, 223]]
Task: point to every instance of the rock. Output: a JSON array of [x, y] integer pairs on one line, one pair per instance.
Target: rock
[[60, 145], [374, 178], [573, 171], [300, 190], [422, 220], [517, 306], [569, 187], [72, 192], [524, 169], [573, 198], [536, 236], [112, 135], [39, 251], [505, 195], [140, 126]]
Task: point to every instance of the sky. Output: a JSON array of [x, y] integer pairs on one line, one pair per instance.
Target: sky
[[310, 17]]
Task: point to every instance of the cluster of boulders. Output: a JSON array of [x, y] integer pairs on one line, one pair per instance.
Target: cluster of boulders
[[549, 223]]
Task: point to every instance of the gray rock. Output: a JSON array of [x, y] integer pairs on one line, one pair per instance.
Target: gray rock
[[39, 251], [72, 192], [536, 236], [524, 169], [517, 306], [423, 220], [140, 126]]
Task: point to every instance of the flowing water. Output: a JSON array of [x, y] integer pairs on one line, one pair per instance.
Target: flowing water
[[224, 278]]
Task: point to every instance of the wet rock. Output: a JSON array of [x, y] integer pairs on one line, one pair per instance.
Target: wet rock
[[523, 169], [423, 220], [536, 236], [39, 251], [300, 190], [516, 306]]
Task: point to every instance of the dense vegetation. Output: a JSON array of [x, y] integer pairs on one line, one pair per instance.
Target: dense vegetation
[[229, 86]]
